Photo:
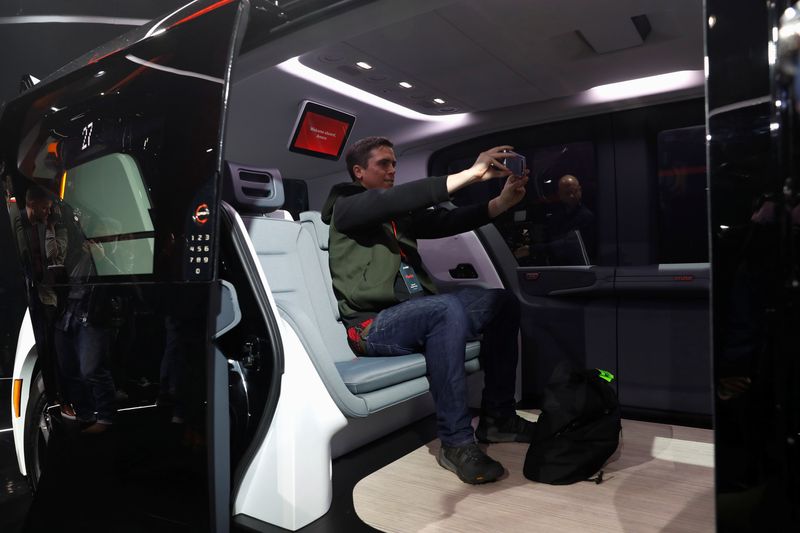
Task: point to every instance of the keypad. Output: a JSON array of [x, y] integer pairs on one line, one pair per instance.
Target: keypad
[[198, 254]]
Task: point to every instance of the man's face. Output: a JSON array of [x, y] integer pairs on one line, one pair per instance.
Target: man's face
[[569, 192], [38, 210], [379, 173]]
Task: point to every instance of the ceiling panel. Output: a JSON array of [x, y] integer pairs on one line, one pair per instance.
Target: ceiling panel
[[445, 58]]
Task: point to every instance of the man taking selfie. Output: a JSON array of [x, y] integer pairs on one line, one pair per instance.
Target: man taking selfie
[[390, 305]]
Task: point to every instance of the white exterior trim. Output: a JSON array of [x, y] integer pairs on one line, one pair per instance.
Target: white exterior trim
[[288, 482], [24, 361]]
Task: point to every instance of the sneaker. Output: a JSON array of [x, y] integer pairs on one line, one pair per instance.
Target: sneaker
[[67, 412], [470, 464], [510, 429]]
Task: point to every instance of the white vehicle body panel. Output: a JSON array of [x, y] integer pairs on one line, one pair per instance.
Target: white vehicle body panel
[[24, 362], [288, 482]]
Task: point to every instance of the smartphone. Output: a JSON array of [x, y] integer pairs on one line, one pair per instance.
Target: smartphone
[[515, 163]]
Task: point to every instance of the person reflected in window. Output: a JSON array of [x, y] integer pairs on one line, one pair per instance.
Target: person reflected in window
[[42, 241], [564, 218], [390, 304], [82, 339]]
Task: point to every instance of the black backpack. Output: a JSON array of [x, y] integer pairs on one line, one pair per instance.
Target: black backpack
[[578, 429]]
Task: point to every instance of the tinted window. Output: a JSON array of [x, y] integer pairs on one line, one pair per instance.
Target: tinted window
[[128, 151], [555, 223], [682, 221], [111, 207]]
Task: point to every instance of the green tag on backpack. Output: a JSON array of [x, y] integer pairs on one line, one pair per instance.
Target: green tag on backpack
[[605, 374]]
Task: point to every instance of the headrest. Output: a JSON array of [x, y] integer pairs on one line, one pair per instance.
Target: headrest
[[254, 189], [319, 226]]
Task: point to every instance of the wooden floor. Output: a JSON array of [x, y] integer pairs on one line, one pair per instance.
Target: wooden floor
[[661, 479]]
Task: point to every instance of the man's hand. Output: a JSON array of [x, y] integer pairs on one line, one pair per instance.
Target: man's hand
[[486, 167], [513, 191]]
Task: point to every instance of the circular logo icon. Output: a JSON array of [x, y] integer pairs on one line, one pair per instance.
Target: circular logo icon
[[201, 214]]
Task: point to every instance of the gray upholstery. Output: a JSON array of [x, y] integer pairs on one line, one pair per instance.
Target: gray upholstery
[[229, 314], [367, 374], [314, 219], [296, 267]]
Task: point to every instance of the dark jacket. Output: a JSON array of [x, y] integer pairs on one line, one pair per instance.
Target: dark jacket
[[364, 253]]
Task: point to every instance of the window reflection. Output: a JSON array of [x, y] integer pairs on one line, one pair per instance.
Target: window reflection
[[555, 224], [682, 196], [111, 209]]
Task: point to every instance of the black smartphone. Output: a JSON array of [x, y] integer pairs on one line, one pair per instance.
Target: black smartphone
[[515, 163]]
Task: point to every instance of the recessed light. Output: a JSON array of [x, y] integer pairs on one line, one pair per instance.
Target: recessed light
[[438, 101], [294, 67], [405, 85], [364, 65]]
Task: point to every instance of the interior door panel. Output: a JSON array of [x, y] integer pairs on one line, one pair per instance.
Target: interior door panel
[[643, 178]]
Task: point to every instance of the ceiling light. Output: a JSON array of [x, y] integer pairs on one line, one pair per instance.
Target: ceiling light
[[438, 101], [662, 83], [405, 85], [294, 67], [365, 66]]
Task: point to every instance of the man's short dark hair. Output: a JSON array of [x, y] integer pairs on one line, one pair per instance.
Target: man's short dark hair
[[359, 152], [36, 194]]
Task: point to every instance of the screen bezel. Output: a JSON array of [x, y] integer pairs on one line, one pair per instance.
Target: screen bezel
[[312, 107]]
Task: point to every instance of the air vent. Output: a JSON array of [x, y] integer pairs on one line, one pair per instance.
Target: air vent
[[264, 181], [256, 189], [246, 175], [616, 34]]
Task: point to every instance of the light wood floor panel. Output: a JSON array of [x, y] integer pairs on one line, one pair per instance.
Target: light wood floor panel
[[661, 479]]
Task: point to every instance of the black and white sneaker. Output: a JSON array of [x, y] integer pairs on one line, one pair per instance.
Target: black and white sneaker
[[470, 464], [511, 429]]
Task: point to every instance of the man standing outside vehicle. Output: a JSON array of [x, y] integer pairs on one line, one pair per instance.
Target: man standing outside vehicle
[[391, 307], [42, 242]]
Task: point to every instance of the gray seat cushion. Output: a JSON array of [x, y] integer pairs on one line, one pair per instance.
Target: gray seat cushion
[[367, 374], [295, 264]]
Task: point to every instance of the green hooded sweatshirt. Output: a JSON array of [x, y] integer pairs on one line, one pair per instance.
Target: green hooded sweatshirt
[[371, 228]]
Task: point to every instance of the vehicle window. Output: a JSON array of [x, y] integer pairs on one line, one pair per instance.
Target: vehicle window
[[555, 223], [138, 200], [682, 196], [111, 208]]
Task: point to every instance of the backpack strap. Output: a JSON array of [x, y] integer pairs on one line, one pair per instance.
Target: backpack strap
[[597, 479]]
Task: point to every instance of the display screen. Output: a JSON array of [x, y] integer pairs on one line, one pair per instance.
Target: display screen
[[321, 131]]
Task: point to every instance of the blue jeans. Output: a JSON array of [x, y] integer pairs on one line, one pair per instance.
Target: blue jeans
[[82, 350], [439, 327]]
